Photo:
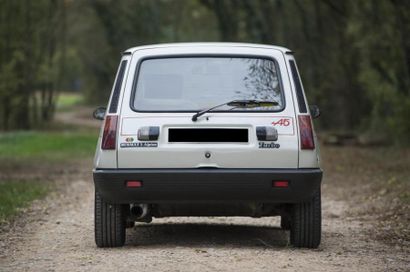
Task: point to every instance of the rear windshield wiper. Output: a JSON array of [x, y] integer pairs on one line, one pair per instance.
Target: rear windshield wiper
[[237, 104]]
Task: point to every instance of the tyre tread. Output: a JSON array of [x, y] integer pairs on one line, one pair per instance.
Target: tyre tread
[[306, 223], [109, 223]]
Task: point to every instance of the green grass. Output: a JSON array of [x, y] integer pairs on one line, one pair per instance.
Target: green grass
[[67, 101], [15, 195], [47, 146]]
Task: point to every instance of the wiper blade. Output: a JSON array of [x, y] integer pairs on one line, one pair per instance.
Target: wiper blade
[[237, 104], [252, 103]]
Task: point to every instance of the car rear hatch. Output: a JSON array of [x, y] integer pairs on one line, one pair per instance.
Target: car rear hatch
[[219, 140]]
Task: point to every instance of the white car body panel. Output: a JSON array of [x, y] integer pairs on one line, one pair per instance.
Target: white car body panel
[[191, 155]]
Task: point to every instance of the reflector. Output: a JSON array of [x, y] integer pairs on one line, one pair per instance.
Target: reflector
[[280, 183], [133, 183]]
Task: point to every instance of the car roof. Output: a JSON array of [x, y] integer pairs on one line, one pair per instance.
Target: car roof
[[206, 44]]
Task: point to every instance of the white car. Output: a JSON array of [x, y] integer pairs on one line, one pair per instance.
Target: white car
[[207, 129]]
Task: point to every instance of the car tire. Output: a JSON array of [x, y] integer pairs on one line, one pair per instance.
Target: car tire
[[109, 223], [306, 223], [285, 222]]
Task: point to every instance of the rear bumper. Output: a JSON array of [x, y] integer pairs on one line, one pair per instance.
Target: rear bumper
[[206, 185]]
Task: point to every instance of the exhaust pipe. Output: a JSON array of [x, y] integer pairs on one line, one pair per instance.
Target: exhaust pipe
[[141, 212]]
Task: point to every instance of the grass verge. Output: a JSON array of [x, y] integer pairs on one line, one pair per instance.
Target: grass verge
[[15, 195], [47, 146]]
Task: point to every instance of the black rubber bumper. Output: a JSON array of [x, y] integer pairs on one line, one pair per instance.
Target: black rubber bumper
[[210, 185]]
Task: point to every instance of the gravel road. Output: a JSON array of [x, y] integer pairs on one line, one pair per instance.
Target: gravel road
[[56, 234]]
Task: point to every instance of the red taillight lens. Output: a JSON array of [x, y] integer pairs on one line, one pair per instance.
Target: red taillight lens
[[306, 132], [110, 132]]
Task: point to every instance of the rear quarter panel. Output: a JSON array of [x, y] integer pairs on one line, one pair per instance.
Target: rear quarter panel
[[108, 158], [307, 158]]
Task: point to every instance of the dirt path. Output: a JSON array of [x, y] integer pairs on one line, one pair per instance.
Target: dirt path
[[57, 235]]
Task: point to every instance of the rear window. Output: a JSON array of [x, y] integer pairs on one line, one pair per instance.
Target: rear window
[[196, 83]]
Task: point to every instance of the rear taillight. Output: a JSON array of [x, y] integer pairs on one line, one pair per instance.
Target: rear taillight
[[306, 132], [110, 132]]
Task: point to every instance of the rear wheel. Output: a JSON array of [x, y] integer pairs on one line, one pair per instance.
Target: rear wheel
[[109, 223], [306, 223]]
